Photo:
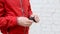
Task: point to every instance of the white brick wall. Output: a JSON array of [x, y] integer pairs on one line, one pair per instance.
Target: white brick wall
[[49, 12]]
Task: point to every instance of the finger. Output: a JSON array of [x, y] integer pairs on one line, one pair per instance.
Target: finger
[[32, 15], [36, 18], [30, 21], [28, 24]]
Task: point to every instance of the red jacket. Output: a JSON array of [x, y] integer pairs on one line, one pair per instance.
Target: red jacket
[[9, 11]]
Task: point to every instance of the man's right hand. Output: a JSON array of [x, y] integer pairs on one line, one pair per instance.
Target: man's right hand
[[24, 21]]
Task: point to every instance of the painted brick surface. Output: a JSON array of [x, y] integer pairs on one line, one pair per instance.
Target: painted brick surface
[[49, 13]]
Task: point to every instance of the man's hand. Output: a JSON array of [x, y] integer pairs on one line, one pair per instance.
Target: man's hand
[[23, 21], [36, 18]]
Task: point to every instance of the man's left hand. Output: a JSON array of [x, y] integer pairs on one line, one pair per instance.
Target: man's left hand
[[35, 17]]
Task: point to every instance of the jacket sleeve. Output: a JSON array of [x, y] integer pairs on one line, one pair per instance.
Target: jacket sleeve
[[6, 21], [29, 10]]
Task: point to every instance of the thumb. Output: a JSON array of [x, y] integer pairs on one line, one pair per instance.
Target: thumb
[[30, 21]]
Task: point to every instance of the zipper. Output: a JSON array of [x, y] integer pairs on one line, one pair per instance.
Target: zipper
[[22, 7], [22, 14]]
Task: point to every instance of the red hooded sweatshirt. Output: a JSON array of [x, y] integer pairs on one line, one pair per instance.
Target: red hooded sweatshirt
[[9, 11]]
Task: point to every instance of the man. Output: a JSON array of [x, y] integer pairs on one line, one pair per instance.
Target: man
[[14, 16]]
